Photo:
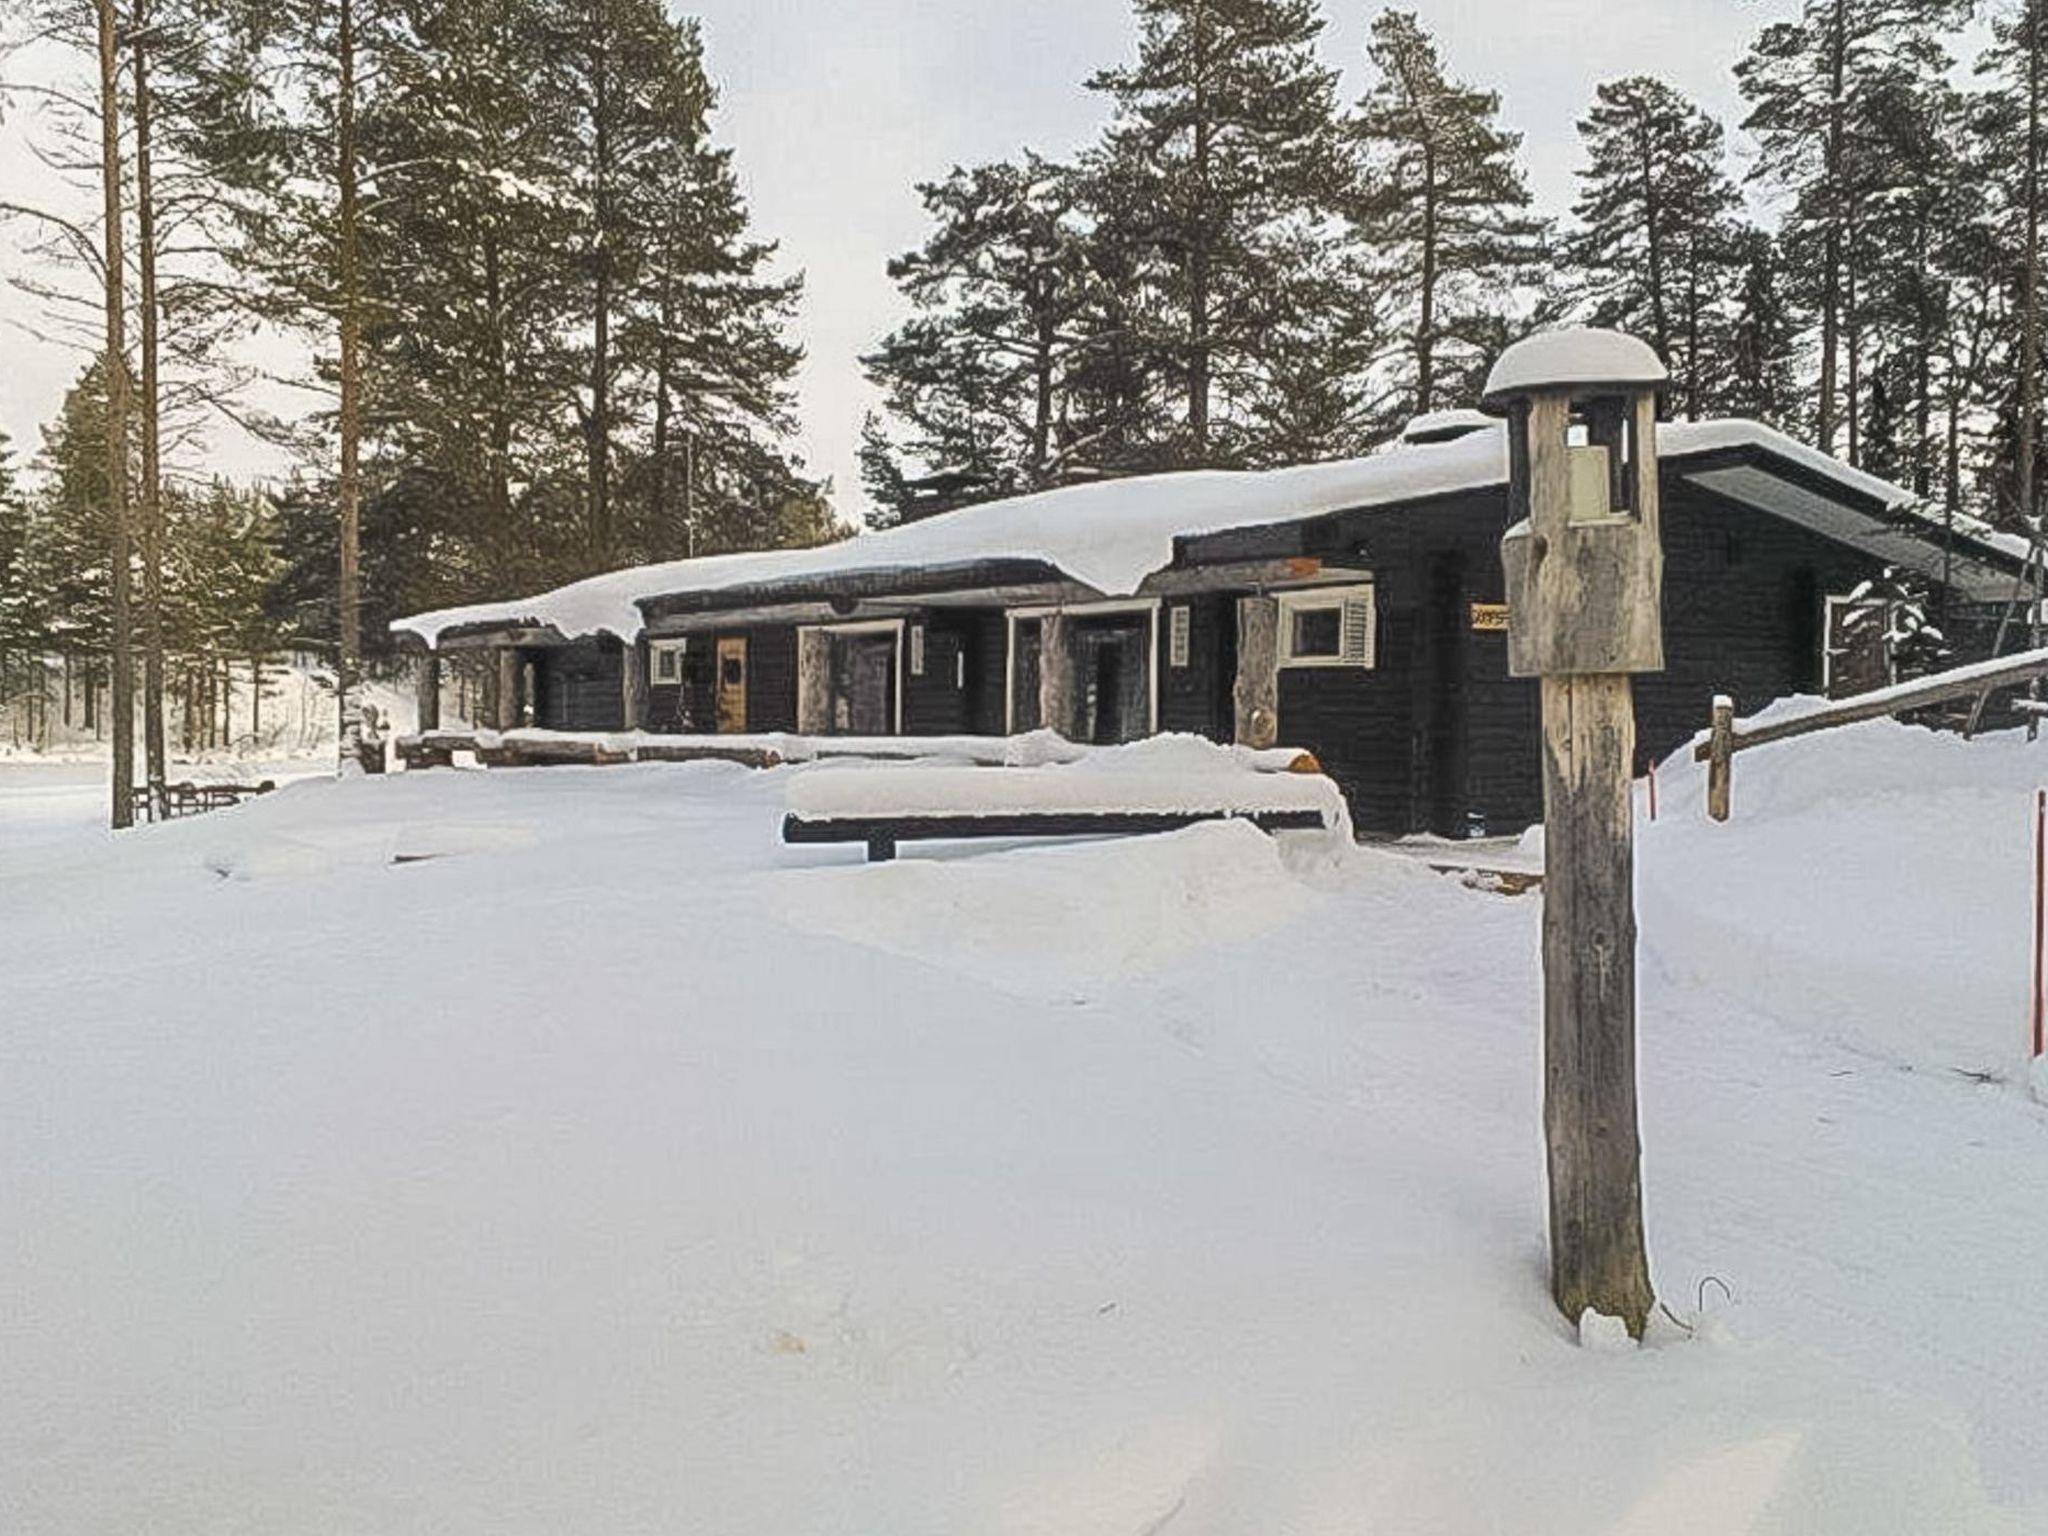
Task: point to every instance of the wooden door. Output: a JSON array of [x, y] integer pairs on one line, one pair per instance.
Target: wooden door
[[732, 684]]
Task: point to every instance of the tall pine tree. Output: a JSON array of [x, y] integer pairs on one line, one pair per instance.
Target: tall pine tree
[[1442, 212]]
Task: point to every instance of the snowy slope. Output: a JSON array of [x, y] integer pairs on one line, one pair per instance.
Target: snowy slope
[[608, 1167]]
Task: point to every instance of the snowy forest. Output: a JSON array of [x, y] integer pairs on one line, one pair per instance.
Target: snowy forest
[[542, 337]]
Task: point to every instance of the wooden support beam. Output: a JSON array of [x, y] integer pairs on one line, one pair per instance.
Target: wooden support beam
[[428, 681], [508, 688], [1255, 695], [1589, 1000], [813, 682], [633, 686], [1058, 702]]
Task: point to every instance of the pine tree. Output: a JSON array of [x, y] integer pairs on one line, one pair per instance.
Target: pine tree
[[1656, 246], [1219, 165], [1808, 83], [1442, 212], [2011, 126], [979, 380], [1762, 338]]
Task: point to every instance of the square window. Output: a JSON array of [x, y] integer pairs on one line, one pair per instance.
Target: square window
[[1316, 632], [665, 662]]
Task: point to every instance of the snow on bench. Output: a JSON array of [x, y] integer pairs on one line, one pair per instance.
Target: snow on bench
[[1158, 785], [534, 746]]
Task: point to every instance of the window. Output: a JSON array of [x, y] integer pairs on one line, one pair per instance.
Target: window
[[1327, 627], [665, 662], [1177, 624], [917, 650]]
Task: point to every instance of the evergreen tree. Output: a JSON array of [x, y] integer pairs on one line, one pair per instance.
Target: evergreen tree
[[2010, 127], [1216, 171], [1442, 213], [1810, 83], [1762, 338], [981, 378], [1656, 247]]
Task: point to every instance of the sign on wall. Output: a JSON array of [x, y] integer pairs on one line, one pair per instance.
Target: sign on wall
[[1490, 618]]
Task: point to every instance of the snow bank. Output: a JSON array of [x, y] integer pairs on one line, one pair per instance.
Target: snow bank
[[1873, 886], [1109, 536], [618, 1169]]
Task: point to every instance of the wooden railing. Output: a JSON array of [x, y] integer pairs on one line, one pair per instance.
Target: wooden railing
[[1724, 739]]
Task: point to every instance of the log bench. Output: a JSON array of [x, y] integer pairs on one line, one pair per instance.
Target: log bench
[[883, 833]]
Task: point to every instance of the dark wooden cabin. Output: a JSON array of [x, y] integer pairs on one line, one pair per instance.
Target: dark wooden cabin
[[1390, 659]]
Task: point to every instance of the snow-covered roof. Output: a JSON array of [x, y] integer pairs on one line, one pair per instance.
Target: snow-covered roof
[[1576, 355], [1111, 535]]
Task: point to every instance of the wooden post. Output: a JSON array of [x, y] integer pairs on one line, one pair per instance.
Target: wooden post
[[1058, 706], [633, 685], [428, 682], [813, 682], [1584, 564], [508, 687], [1255, 695], [1721, 758], [1589, 1000]]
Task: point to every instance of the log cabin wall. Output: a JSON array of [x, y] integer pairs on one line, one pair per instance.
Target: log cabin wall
[[1437, 737]]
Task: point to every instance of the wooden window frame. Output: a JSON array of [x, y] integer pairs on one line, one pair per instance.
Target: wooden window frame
[[1297, 600], [676, 646]]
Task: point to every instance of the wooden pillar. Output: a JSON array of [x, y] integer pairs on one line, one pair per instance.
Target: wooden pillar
[[1589, 1000], [508, 687], [1256, 692], [428, 681], [813, 682], [1583, 559], [1058, 703], [633, 686]]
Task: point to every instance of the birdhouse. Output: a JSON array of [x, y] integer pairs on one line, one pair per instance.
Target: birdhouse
[[1583, 555]]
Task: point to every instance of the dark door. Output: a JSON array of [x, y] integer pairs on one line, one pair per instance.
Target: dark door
[[1026, 712], [1440, 720], [1113, 661], [864, 685]]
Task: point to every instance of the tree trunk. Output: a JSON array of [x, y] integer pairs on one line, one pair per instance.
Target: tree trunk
[[1425, 326], [2030, 281], [151, 502], [348, 664], [599, 425], [116, 364], [1831, 256]]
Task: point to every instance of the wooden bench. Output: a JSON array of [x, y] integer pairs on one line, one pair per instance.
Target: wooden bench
[[187, 798], [883, 833]]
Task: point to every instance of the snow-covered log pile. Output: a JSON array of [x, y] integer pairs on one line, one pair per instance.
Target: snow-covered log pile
[[1168, 774]]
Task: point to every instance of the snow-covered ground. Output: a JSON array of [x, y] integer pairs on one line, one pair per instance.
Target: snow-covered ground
[[555, 1151]]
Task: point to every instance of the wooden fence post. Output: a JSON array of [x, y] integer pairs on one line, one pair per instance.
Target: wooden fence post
[[1720, 757]]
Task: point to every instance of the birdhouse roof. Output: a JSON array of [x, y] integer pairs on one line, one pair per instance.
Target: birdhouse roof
[[1577, 358]]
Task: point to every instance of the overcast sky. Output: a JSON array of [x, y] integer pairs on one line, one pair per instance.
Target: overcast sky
[[838, 107]]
